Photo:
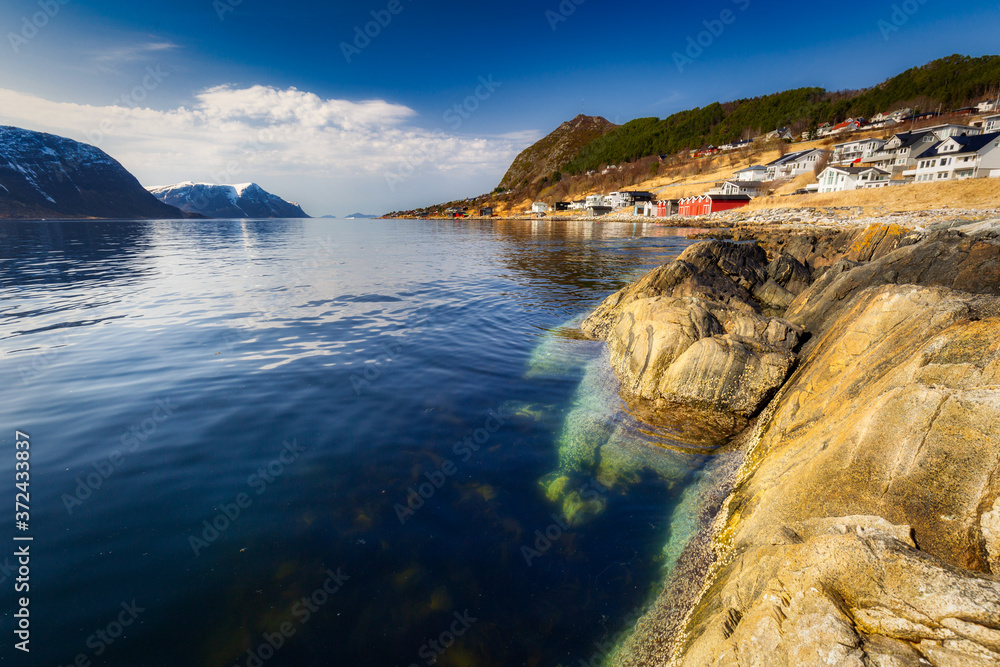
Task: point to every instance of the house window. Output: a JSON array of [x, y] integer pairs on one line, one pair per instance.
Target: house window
[[942, 174]]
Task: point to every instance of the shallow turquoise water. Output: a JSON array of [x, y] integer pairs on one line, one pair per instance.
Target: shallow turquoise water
[[227, 416]]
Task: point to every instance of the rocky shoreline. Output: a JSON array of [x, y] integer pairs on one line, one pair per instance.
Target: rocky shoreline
[[856, 367]]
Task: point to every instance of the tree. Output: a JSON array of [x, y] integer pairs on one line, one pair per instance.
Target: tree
[[821, 164]]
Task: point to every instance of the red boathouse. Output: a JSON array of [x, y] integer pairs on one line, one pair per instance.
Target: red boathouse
[[705, 204]]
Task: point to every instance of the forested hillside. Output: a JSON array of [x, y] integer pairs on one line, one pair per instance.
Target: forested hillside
[[949, 82]]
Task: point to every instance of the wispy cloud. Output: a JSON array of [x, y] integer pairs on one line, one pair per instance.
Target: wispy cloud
[[108, 60]]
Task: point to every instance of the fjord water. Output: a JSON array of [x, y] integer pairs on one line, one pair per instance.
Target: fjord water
[[231, 424]]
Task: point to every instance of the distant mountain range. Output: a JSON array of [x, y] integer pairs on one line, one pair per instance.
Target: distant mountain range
[[361, 215], [247, 200], [47, 176]]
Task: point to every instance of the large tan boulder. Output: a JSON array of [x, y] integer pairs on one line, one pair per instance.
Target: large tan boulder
[[845, 591], [690, 340], [893, 416]]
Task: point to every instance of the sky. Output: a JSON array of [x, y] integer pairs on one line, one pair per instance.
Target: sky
[[378, 105]]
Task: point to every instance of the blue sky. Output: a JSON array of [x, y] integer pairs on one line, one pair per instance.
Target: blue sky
[[286, 109]]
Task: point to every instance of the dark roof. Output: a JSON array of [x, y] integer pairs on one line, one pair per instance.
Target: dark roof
[[791, 157], [912, 138], [729, 197], [857, 170], [969, 145]]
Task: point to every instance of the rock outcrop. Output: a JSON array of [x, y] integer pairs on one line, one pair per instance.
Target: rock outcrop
[[864, 527], [692, 337], [895, 414]]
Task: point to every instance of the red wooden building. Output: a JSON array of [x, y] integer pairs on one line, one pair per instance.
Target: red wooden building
[[705, 204], [666, 207]]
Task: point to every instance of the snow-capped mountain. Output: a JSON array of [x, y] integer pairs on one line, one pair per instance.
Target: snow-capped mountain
[[247, 200], [47, 176]]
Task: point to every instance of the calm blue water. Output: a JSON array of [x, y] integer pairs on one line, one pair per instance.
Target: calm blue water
[[302, 377]]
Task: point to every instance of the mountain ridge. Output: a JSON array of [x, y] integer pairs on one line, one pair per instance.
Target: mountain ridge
[[245, 200], [546, 157], [48, 176]]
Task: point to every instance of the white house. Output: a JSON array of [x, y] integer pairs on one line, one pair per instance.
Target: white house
[[991, 123], [838, 179], [891, 115], [901, 151], [794, 164], [780, 133], [849, 125], [735, 145], [596, 200], [946, 130], [751, 188], [849, 151], [987, 106], [958, 158], [616, 200], [756, 172], [539, 207], [627, 198]]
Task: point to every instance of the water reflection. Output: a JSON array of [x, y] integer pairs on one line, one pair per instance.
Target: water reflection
[[379, 347]]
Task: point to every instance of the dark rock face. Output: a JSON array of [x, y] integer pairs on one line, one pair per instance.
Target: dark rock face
[[248, 200], [43, 175], [947, 259]]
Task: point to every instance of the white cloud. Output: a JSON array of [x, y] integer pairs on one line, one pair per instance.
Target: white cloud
[[290, 141]]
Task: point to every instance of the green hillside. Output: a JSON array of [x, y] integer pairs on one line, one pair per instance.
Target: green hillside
[[949, 82]]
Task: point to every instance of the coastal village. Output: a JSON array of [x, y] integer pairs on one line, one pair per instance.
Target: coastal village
[[893, 148]]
